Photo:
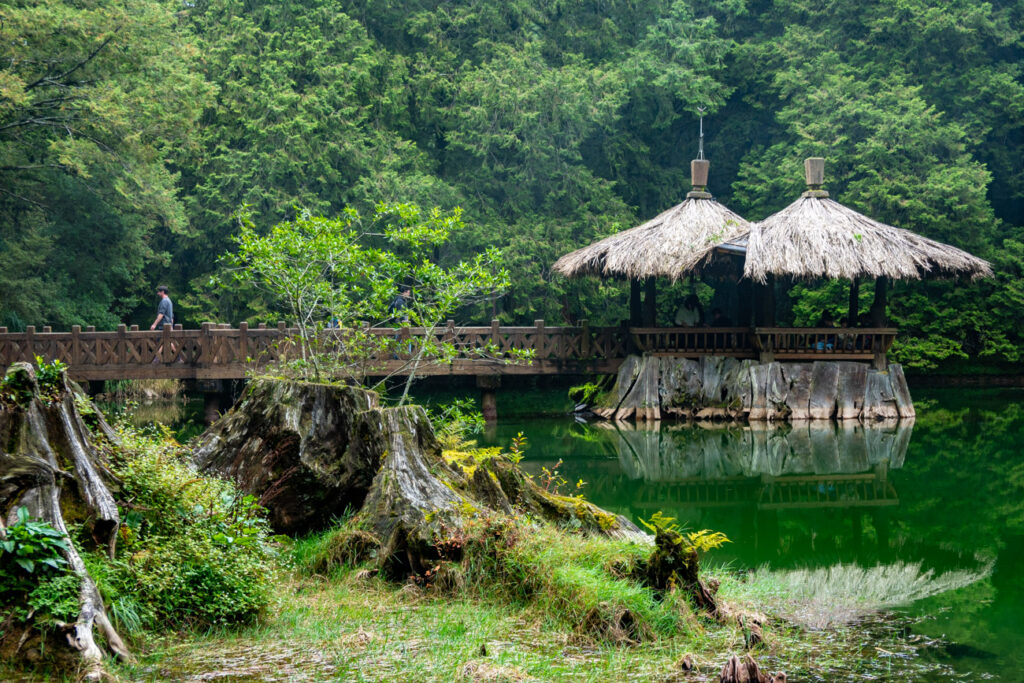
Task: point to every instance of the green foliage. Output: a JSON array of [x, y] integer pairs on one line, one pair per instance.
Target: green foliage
[[336, 277], [193, 550], [552, 124], [30, 551], [55, 597], [458, 417], [701, 541]]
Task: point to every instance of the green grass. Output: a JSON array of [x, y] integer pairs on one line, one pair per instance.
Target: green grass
[[514, 619]]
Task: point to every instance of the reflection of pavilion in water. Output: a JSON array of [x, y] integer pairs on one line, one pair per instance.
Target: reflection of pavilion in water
[[801, 465]]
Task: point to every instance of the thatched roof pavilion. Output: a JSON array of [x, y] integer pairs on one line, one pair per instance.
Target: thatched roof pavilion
[[673, 244], [817, 237]]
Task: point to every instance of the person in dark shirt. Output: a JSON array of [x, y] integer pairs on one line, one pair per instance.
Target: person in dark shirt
[[164, 310], [719, 319], [398, 313], [164, 316], [399, 303]]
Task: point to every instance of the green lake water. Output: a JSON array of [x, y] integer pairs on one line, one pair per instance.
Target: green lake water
[[946, 491]]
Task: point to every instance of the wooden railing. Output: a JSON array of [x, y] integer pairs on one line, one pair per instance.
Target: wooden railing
[[218, 351], [819, 343], [703, 341]]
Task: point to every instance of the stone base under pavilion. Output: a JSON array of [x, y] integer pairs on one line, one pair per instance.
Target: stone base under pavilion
[[717, 387]]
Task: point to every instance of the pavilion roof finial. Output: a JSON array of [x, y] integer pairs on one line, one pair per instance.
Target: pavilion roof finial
[[699, 166], [814, 174]]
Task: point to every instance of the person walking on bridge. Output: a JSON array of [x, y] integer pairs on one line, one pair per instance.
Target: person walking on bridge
[[164, 310], [164, 316]]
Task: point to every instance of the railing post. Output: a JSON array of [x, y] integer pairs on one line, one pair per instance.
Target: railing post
[[243, 342], [879, 358], [166, 351], [496, 336], [538, 339], [585, 340], [29, 350], [767, 354], [122, 344], [206, 343], [76, 345]]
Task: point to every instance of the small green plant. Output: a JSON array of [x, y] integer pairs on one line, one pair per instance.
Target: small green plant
[[31, 550], [702, 541], [551, 480], [518, 449]]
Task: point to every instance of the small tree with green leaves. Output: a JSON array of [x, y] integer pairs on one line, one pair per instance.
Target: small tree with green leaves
[[338, 279]]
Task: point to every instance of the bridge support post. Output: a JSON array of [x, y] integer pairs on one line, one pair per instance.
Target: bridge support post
[[215, 399], [489, 385]]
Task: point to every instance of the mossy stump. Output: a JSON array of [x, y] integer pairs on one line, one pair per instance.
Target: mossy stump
[[52, 464]]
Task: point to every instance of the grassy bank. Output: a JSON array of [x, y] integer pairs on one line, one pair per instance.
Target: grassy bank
[[350, 627]]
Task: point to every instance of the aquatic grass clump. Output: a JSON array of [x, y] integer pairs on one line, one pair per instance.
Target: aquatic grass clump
[[844, 593]]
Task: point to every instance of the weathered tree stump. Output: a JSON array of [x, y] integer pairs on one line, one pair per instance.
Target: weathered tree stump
[[309, 451], [51, 465], [675, 565], [745, 670]]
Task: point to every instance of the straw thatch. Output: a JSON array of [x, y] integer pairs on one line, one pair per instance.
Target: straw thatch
[[817, 237], [672, 244]]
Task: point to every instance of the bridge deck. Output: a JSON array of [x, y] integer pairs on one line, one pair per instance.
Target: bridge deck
[[221, 352]]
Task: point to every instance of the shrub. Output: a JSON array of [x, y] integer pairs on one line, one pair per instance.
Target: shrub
[[193, 550]]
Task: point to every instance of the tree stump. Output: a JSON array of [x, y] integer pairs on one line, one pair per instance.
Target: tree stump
[[309, 451], [51, 465]]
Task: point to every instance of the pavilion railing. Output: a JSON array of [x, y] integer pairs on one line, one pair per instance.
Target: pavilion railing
[[698, 341], [819, 343]]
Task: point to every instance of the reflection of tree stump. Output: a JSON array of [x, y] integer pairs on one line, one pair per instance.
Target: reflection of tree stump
[[308, 451], [51, 465]]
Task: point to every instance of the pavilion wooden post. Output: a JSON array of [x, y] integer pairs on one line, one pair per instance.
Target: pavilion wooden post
[[650, 302], [744, 301], [635, 315], [878, 305], [878, 319], [853, 309]]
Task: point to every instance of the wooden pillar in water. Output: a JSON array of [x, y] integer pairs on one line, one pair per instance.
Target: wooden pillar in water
[[853, 309], [635, 315], [650, 302], [489, 385]]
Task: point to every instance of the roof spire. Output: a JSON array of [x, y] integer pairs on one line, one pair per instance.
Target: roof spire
[[699, 166], [814, 173]]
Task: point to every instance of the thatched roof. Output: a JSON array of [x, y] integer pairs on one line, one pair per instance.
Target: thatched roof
[[671, 245], [817, 237]]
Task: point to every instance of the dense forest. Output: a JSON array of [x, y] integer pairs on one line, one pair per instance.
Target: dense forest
[[132, 133]]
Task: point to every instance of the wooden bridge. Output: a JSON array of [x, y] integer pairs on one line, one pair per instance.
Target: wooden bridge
[[218, 351]]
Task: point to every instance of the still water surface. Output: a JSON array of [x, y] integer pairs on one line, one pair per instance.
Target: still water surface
[[946, 490]]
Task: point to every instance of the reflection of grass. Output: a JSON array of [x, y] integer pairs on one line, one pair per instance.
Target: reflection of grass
[[143, 389], [843, 593]]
